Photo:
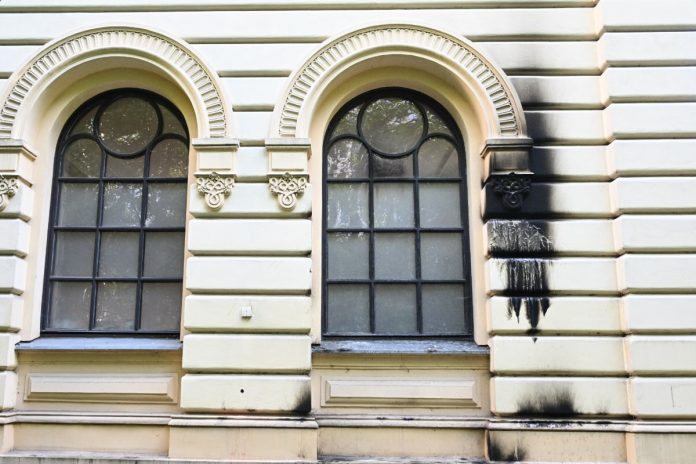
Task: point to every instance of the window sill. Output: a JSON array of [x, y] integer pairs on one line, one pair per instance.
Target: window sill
[[100, 344], [424, 347]]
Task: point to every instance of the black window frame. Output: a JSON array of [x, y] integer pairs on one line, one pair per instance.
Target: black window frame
[[456, 138], [102, 101]]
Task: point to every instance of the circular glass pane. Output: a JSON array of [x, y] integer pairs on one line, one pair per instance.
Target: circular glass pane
[[392, 125], [82, 158], [128, 125]]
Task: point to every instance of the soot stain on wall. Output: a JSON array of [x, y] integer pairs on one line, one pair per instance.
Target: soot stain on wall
[[522, 248], [304, 402], [557, 403], [497, 453]]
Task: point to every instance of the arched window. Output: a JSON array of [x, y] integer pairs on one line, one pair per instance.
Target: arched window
[[395, 248], [116, 239]]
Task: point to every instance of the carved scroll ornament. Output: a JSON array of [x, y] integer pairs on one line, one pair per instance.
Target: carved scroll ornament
[[512, 188], [215, 188], [8, 188], [288, 187]]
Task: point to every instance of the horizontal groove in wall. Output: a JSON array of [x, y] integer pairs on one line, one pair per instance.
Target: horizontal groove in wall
[[317, 26], [653, 99], [254, 73], [279, 40], [252, 143], [649, 28], [563, 106], [19, 6], [254, 108]]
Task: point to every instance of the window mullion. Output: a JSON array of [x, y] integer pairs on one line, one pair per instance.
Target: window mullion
[[416, 214], [371, 220], [97, 242], [141, 250]]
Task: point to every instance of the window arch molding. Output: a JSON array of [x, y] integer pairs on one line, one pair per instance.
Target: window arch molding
[[413, 57], [42, 95], [112, 47], [480, 79]]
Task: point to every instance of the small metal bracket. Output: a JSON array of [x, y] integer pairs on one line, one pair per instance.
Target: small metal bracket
[[8, 187], [215, 188], [512, 188], [246, 312]]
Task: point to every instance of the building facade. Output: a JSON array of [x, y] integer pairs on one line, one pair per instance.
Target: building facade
[[343, 230]]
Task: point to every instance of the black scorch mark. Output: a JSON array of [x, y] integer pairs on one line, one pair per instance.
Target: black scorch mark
[[496, 453], [522, 247], [304, 402], [559, 402]]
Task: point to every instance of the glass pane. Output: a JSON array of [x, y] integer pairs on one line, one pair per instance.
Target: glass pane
[[82, 158], [395, 309], [395, 256], [78, 204], [444, 308], [439, 205], [119, 254], [349, 255], [348, 205], [124, 167], [348, 309], [347, 158], [438, 158], [348, 123], [166, 205], [122, 204], [164, 254], [74, 254], [161, 306], [393, 205], [169, 158], [115, 306], [436, 124], [392, 167], [86, 124], [392, 125], [171, 124], [70, 303], [128, 125], [441, 256]]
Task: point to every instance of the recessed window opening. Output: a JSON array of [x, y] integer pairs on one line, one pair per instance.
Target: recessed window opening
[[116, 234], [395, 247]]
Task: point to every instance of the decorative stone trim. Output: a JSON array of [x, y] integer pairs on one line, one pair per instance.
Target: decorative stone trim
[[85, 43], [288, 187], [463, 53], [8, 188], [512, 188], [215, 188]]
